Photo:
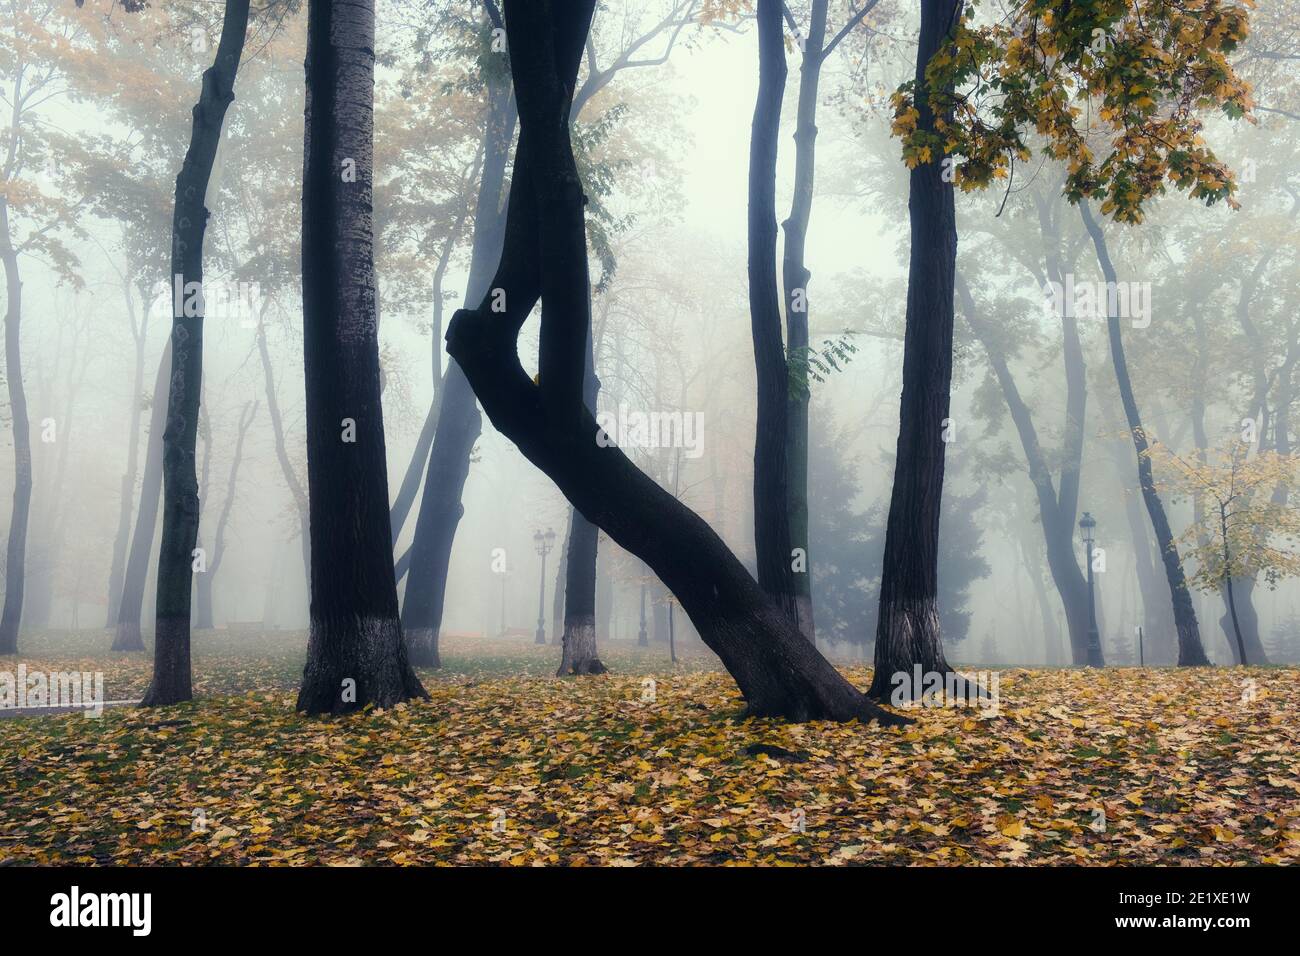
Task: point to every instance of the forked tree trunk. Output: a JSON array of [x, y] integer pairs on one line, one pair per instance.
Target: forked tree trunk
[[907, 630], [206, 581], [172, 681], [16, 552], [459, 423], [127, 636], [1190, 651], [771, 483], [355, 652], [778, 671]]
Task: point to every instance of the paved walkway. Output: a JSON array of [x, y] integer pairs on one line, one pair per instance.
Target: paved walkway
[[8, 713]]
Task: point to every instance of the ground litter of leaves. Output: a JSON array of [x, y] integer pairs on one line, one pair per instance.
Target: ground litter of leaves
[[507, 765]]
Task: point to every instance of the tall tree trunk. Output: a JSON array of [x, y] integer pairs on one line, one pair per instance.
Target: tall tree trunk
[[778, 671], [16, 552], [771, 490], [907, 631], [207, 580], [795, 276], [459, 422], [579, 629], [122, 539], [1190, 651], [127, 636], [355, 652], [171, 646]]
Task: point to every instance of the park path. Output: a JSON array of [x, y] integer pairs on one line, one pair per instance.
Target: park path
[[11, 713]]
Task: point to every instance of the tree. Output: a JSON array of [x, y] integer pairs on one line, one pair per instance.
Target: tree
[[1105, 75], [851, 543], [1190, 650], [33, 222], [779, 672], [458, 421], [815, 50], [907, 629], [126, 635], [771, 482], [355, 652], [1056, 510], [1243, 532], [171, 681]]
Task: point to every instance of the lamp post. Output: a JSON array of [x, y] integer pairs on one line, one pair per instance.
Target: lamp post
[[1086, 525], [545, 542]]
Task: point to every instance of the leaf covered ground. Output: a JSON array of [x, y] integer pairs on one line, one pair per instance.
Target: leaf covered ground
[[508, 765]]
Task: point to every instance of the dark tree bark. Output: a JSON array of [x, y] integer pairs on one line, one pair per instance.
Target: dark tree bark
[[1190, 650], [771, 483], [180, 526], [459, 422], [355, 652], [578, 633], [779, 672], [795, 276], [206, 580], [122, 539], [907, 631], [127, 636], [16, 551]]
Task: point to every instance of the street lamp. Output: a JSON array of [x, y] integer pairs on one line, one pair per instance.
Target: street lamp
[[544, 543], [1086, 524]]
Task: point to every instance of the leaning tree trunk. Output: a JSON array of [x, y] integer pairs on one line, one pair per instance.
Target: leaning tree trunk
[[771, 491], [127, 636], [907, 630], [16, 553], [207, 580], [1190, 650], [171, 682], [459, 423], [779, 672], [355, 652], [795, 276]]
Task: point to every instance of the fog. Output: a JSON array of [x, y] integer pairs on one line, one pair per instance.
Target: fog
[[671, 325]]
